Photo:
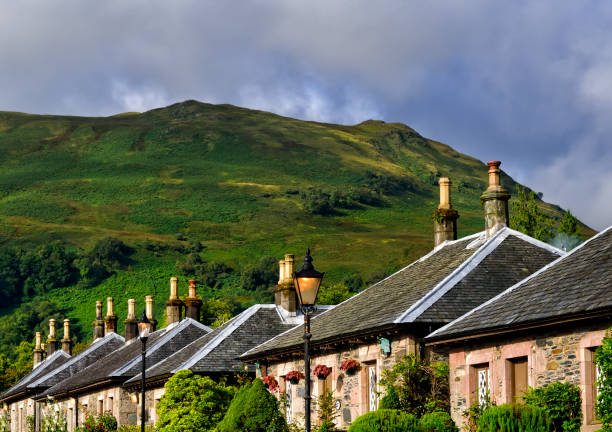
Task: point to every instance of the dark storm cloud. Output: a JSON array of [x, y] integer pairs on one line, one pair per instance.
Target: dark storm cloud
[[524, 82]]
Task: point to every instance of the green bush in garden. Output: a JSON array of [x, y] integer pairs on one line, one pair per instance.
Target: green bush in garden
[[514, 418], [253, 409], [385, 420], [562, 403], [103, 423], [438, 421], [603, 359], [192, 403]]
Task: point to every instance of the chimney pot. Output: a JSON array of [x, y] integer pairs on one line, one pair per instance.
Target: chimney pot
[[495, 201], [131, 324], [51, 328], [173, 288], [98, 323], [192, 288], [149, 312], [110, 320], [37, 355], [289, 259], [445, 217], [51, 340], [174, 305], [192, 303], [66, 341], [284, 294], [281, 271]]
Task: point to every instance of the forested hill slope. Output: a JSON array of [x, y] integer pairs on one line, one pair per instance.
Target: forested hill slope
[[246, 184]]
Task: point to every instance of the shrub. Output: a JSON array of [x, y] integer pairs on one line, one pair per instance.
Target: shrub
[[420, 387], [603, 359], [437, 422], [104, 423], [391, 399], [510, 418], [384, 420], [192, 402], [253, 409], [474, 412], [134, 428], [327, 411], [562, 403]]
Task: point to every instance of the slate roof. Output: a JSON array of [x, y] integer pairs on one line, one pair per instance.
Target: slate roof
[[125, 362], [97, 350], [430, 290], [577, 283], [52, 362], [217, 352]]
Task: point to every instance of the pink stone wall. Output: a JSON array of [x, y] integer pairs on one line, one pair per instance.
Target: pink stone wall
[[553, 355], [350, 392]]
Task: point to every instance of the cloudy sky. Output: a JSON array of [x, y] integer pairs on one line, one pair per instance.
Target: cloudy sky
[[526, 82]]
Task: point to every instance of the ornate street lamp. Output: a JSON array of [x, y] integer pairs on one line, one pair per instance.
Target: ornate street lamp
[[307, 282], [144, 328]]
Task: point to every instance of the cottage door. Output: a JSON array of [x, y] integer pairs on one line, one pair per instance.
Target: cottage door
[[372, 388], [289, 402]]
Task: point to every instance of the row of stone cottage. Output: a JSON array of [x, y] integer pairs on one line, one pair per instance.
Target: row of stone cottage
[[506, 310]]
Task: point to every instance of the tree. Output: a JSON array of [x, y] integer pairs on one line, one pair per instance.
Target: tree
[[254, 409], [192, 403], [260, 276], [215, 312], [10, 277], [333, 294], [567, 233], [527, 217]]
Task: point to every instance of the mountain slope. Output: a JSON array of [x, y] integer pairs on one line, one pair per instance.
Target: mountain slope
[[244, 182]]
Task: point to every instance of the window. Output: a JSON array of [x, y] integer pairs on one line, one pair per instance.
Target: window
[[518, 379], [70, 419], [372, 396], [289, 402], [100, 407], [109, 404], [481, 383]]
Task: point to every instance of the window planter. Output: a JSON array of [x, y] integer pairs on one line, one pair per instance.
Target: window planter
[[321, 371], [350, 366], [270, 382], [294, 377]]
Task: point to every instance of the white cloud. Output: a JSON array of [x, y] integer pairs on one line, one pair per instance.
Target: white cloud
[[139, 99]]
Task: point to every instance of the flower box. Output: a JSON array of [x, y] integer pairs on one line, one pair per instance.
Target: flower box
[[350, 366], [270, 382], [321, 371], [294, 377]]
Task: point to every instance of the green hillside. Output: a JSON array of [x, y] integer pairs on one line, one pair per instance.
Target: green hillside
[[245, 183]]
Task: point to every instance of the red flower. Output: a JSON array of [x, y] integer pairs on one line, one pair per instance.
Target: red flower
[[350, 366], [321, 371], [294, 377], [270, 382]]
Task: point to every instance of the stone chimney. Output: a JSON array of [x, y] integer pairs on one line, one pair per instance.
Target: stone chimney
[[131, 323], [98, 323], [38, 351], [445, 217], [110, 320], [149, 312], [193, 303], [52, 339], [66, 341], [495, 201], [174, 305], [284, 292]]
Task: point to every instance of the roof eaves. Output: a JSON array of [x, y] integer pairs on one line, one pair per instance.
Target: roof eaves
[[437, 332], [94, 345]]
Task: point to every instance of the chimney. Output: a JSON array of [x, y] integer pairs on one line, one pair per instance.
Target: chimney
[[98, 323], [66, 341], [131, 323], [38, 351], [193, 304], [284, 292], [110, 320], [149, 312], [445, 217], [51, 340], [173, 304], [495, 201]]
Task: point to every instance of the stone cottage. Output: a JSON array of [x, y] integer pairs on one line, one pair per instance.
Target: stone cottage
[[97, 389], [216, 353], [20, 401], [545, 328], [388, 320]]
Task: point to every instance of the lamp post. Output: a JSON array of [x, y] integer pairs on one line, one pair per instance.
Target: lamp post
[[144, 327], [307, 282]]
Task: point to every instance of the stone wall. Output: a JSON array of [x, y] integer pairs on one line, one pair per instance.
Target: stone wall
[[350, 392], [17, 413], [552, 355]]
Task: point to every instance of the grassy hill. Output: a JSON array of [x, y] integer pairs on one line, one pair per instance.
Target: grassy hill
[[245, 183]]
